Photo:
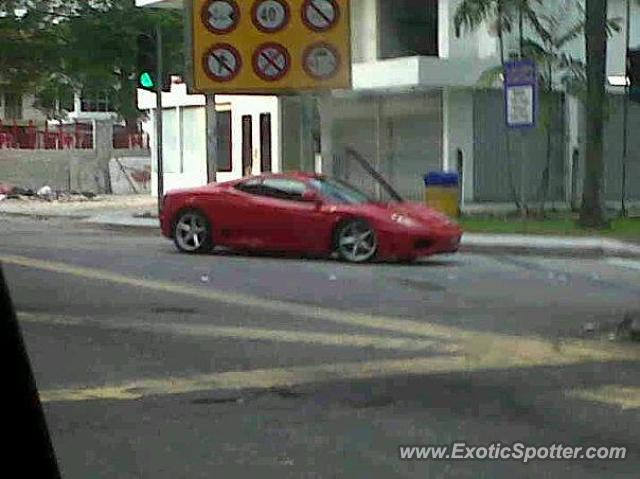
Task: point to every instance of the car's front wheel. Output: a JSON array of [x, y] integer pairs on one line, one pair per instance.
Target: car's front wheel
[[356, 241], [192, 232]]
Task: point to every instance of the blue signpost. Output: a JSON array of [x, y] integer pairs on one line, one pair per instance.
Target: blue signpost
[[521, 94], [521, 110]]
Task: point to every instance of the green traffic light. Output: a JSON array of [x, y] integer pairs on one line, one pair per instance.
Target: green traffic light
[[146, 81]]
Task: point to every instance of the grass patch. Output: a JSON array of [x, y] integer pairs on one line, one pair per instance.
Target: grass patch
[[621, 228]]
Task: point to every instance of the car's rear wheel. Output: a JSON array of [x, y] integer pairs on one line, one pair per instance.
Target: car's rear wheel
[[356, 241], [192, 232]]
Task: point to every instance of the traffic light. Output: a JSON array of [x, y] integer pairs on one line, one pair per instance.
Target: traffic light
[[633, 73], [147, 64]]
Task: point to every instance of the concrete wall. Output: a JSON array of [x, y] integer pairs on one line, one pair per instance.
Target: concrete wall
[[61, 169], [400, 135], [82, 170], [130, 175], [497, 171]]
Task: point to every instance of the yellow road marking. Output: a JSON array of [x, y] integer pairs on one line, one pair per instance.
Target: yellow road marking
[[478, 350], [275, 335], [627, 397], [279, 377]]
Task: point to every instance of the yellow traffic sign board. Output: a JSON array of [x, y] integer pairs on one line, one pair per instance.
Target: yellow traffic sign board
[[270, 46]]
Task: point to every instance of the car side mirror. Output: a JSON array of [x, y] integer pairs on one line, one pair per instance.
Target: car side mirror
[[311, 196]]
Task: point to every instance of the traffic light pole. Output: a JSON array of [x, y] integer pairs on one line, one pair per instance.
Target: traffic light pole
[[158, 116]]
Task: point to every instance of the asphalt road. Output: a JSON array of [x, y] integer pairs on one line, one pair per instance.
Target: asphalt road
[[154, 364]]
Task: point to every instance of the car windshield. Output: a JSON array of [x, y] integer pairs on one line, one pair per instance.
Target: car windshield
[[340, 192]]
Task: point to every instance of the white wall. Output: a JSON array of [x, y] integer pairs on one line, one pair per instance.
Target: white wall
[[476, 44], [364, 30], [457, 134]]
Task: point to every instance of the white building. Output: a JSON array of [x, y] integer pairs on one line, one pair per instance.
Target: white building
[[415, 106]]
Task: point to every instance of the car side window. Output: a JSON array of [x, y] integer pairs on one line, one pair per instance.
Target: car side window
[[252, 187], [283, 189]]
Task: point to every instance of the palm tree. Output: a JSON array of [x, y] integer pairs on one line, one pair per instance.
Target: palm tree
[[555, 67], [592, 213], [504, 14]]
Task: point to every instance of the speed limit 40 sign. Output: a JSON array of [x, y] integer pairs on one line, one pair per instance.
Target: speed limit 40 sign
[[270, 46]]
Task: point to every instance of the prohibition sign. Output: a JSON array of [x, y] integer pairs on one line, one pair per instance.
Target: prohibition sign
[[270, 16], [271, 61], [321, 61], [222, 62], [320, 15], [220, 16]]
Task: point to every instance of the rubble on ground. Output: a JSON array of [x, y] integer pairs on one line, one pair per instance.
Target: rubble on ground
[[45, 193]]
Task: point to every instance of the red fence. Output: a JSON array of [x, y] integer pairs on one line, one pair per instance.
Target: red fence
[[124, 140], [59, 137]]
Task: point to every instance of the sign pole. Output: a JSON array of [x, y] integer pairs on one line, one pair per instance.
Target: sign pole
[[158, 118], [523, 175], [521, 106], [212, 138]]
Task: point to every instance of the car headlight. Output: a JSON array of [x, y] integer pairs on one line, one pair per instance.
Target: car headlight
[[404, 220]]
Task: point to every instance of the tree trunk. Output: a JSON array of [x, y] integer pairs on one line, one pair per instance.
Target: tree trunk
[[546, 175], [592, 213], [512, 187]]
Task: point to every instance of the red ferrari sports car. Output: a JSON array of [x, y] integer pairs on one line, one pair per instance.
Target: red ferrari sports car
[[304, 214]]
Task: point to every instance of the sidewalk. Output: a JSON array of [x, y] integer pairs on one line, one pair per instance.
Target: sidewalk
[[139, 212], [553, 245]]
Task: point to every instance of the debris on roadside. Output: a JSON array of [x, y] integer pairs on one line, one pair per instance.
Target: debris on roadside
[[45, 192], [146, 215], [18, 191], [629, 328]]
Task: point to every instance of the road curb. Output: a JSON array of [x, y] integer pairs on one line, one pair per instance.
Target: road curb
[[554, 246], [471, 243]]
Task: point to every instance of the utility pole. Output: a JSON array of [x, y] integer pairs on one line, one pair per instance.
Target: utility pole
[[625, 120], [158, 117], [212, 138]]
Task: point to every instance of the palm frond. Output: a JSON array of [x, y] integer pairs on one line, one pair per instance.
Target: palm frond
[[491, 77], [614, 25], [573, 33], [472, 13], [538, 27]]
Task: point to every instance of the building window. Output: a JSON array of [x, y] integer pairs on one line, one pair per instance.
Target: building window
[[224, 141], [247, 145], [13, 106], [408, 28], [265, 143], [97, 101]]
